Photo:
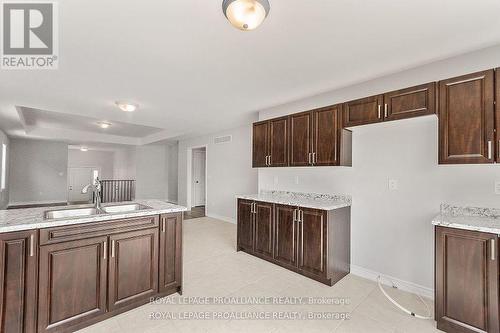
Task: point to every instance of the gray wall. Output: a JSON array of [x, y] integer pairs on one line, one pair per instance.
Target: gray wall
[[391, 230], [172, 171], [229, 171], [151, 172], [38, 171], [4, 195], [96, 159]]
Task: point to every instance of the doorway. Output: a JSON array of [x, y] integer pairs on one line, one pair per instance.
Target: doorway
[[198, 184], [78, 178]]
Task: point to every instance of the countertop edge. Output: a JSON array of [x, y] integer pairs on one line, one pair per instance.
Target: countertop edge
[[438, 221]]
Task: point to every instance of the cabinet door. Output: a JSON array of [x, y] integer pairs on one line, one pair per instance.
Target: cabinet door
[[170, 252], [300, 139], [72, 283], [263, 229], [245, 225], [285, 251], [133, 267], [18, 281], [497, 113], [363, 111], [326, 136], [278, 144], [466, 281], [312, 243], [466, 119], [260, 144], [410, 102]]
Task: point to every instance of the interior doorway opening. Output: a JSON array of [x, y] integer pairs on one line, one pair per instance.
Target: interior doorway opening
[[78, 178], [197, 197]]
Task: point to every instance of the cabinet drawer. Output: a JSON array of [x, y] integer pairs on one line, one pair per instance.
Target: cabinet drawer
[[93, 229]]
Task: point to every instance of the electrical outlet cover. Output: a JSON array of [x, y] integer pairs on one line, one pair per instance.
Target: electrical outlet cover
[[393, 185]]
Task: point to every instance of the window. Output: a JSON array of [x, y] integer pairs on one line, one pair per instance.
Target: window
[[4, 167]]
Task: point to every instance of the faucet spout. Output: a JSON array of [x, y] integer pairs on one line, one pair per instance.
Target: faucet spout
[[96, 188]]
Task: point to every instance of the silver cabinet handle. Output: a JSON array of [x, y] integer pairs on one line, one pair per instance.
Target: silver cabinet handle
[[294, 215], [105, 250], [490, 146], [309, 158], [32, 245], [386, 113], [270, 160], [163, 225], [493, 250], [379, 111], [314, 158], [113, 248], [255, 208]]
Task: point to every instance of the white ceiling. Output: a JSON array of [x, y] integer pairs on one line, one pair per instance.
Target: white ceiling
[[191, 72]]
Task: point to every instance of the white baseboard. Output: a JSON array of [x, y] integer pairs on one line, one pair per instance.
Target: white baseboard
[[220, 217], [401, 284]]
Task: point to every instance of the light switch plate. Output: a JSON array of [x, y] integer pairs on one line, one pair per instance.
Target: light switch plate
[[393, 185], [497, 187]]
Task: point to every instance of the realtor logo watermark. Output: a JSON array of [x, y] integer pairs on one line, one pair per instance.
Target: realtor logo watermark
[[29, 35]]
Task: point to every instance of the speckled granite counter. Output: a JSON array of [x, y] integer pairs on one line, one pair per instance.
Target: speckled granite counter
[[32, 218], [469, 218], [306, 200]]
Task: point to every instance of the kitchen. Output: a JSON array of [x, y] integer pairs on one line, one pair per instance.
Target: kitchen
[[377, 164]]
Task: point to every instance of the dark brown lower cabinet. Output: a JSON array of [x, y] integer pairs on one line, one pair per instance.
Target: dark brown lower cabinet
[[314, 243], [18, 281], [170, 253], [467, 278], [72, 283], [133, 267]]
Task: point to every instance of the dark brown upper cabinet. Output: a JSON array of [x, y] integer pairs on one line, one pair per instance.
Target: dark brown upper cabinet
[[467, 119], [363, 111], [497, 113], [301, 139], [270, 143], [316, 138], [410, 102], [18, 281], [467, 279]]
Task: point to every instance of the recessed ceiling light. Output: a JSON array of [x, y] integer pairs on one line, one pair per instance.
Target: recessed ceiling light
[[84, 148], [246, 14], [127, 107], [104, 124]]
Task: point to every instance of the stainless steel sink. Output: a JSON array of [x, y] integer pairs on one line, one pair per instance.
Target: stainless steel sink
[[124, 208], [64, 213]]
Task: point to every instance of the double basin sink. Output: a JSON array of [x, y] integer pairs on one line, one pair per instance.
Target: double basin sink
[[83, 212]]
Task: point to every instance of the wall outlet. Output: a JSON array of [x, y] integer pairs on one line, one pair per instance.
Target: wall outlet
[[393, 185], [296, 180], [497, 187]]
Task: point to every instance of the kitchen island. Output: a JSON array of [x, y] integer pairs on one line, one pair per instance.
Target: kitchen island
[[305, 232], [63, 274]]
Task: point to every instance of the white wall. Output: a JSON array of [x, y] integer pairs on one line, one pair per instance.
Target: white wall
[[124, 163], [172, 171], [391, 231], [151, 172], [102, 160], [38, 171], [4, 195], [229, 171]]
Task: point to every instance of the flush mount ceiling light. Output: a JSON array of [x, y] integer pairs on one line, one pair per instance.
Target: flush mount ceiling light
[[127, 107], [104, 124], [246, 14], [84, 148]]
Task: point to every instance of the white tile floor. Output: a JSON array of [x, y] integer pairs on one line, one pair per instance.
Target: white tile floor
[[212, 267]]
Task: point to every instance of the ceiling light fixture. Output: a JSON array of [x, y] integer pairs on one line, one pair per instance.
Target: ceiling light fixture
[[84, 148], [246, 14], [104, 124], [127, 107]]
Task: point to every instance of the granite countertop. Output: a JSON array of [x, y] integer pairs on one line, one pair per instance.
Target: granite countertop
[[32, 218], [469, 218], [306, 200]]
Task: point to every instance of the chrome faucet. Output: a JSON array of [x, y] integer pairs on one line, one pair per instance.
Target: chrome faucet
[[96, 188]]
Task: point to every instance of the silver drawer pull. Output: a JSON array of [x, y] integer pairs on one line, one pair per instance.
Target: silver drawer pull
[[490, 150], [32, 245], [379, 111], [163, 225], [105, 249], [493, 250], [386, 113], [112, 248]]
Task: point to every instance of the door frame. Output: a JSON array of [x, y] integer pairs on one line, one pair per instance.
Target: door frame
[[189, 177]]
